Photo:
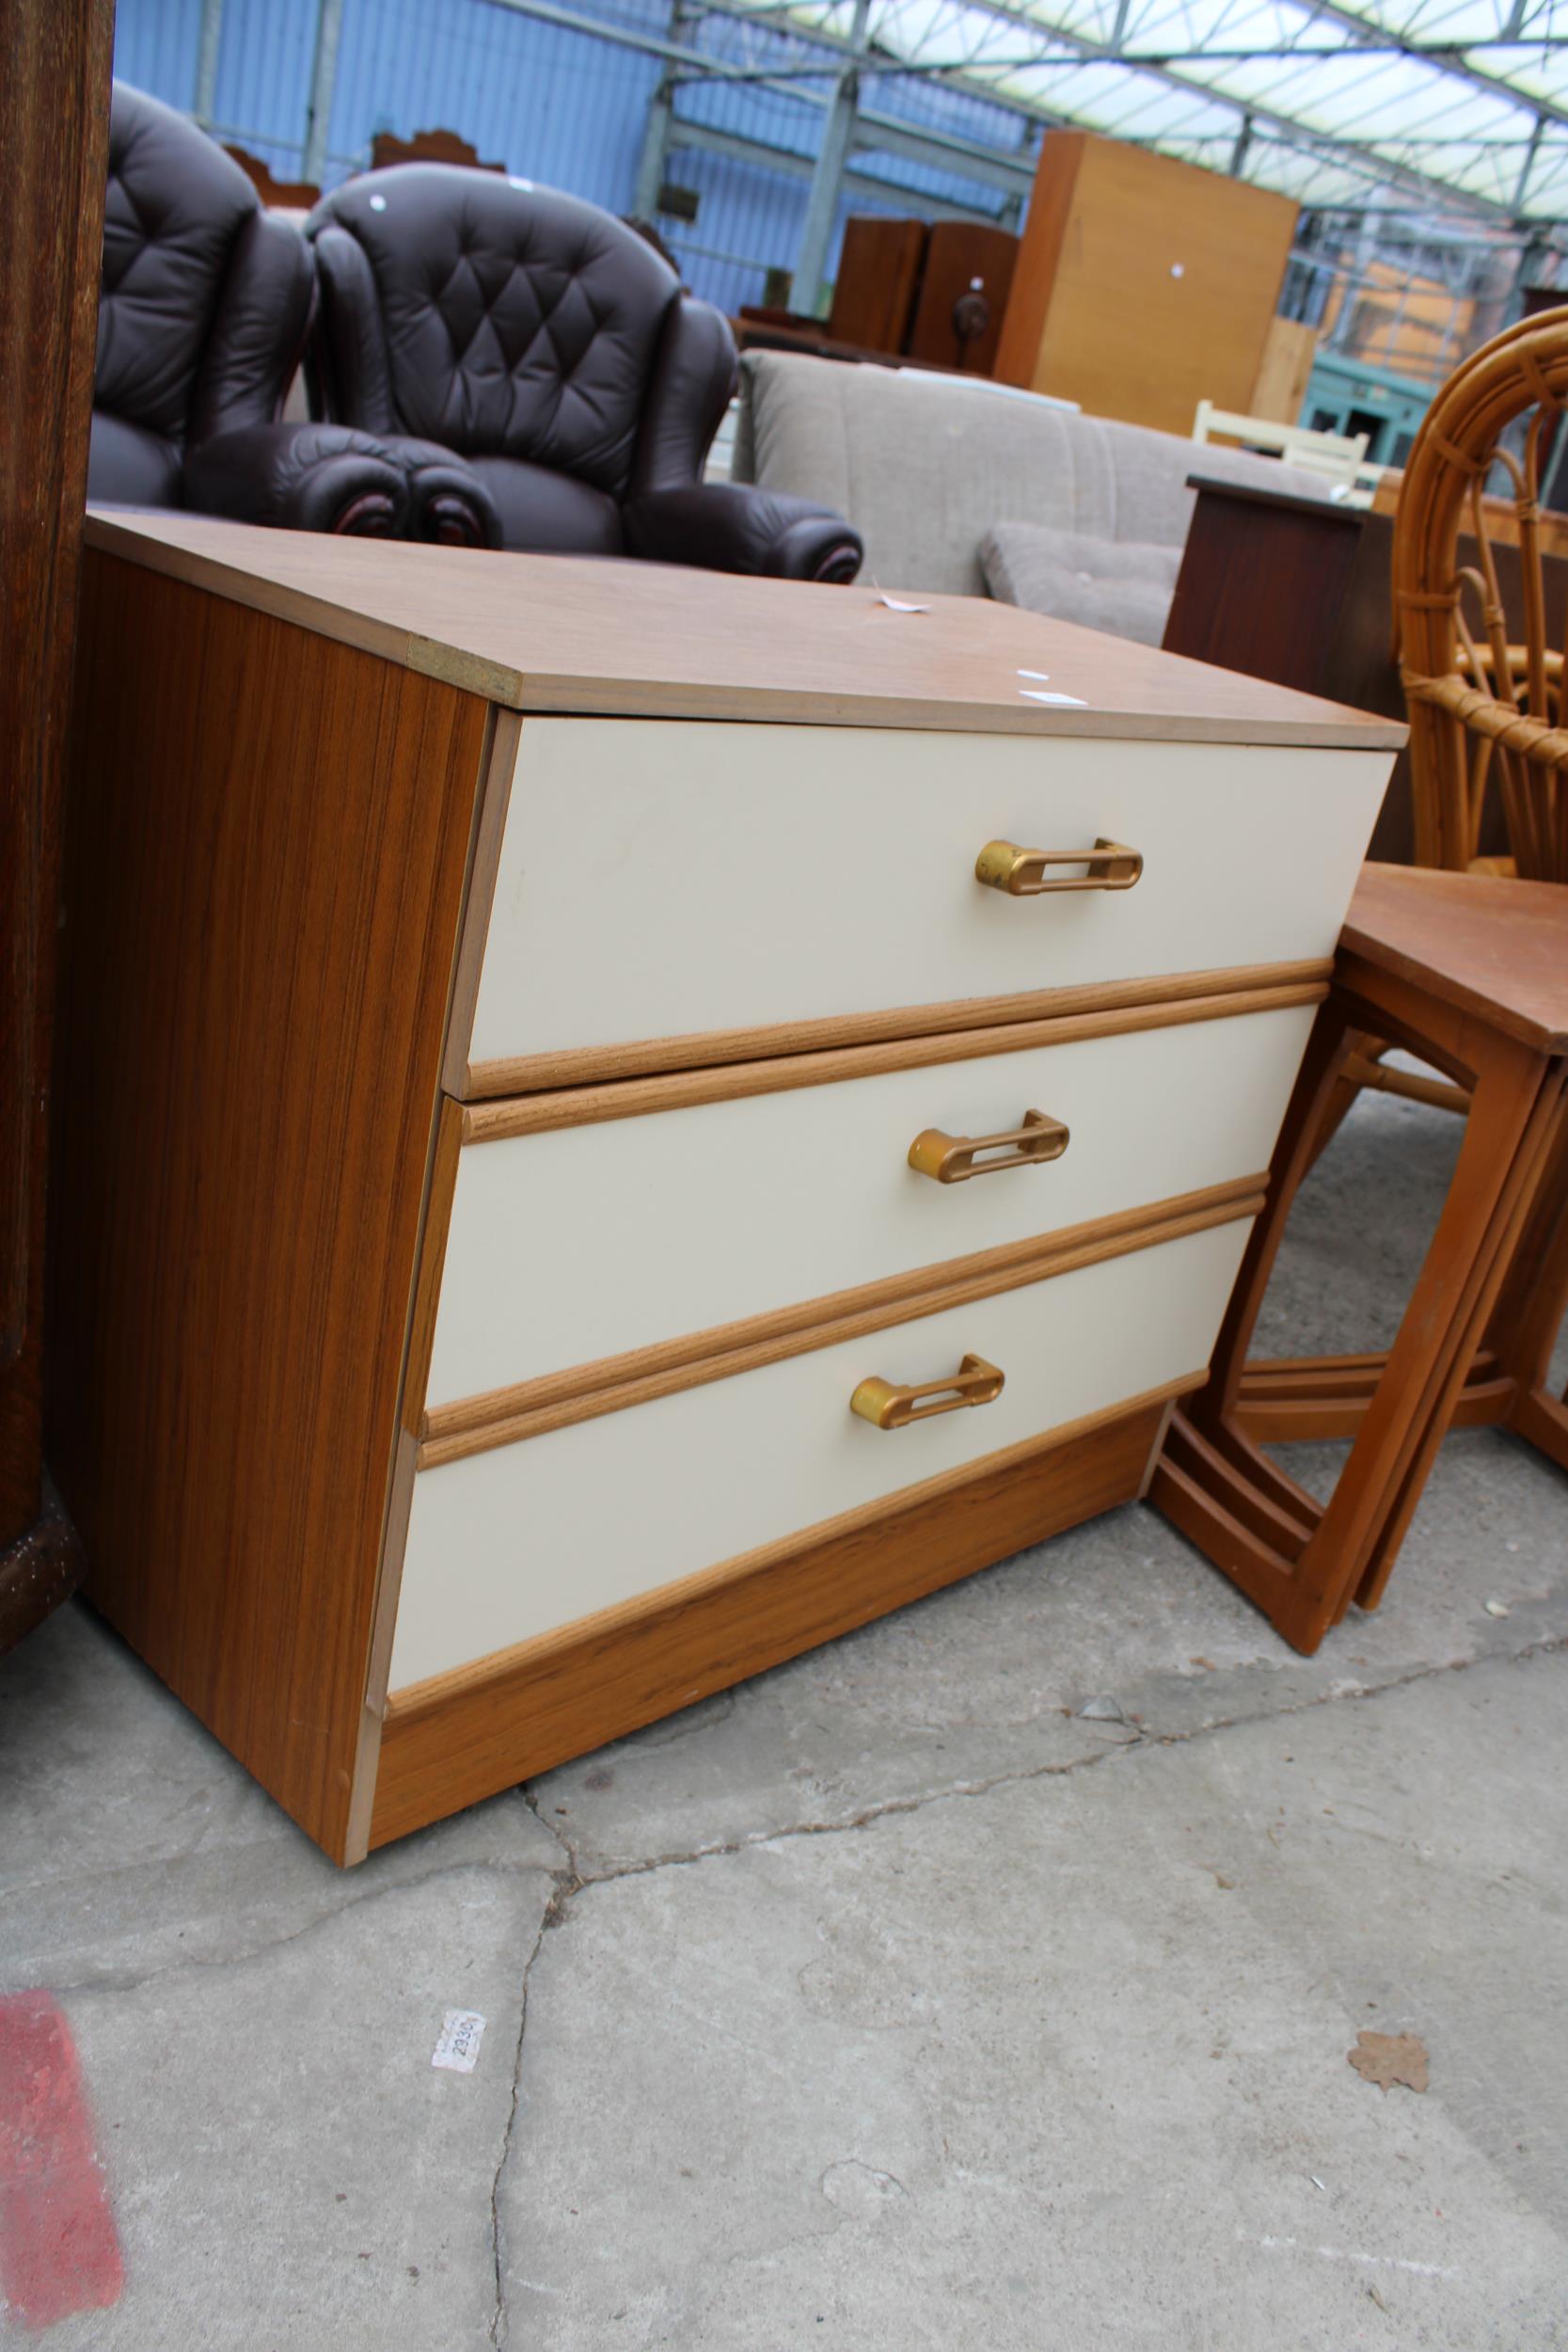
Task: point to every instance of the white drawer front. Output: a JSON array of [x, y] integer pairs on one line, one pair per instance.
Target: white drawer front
[[586, 1242], [659, 877], [508, 1544]]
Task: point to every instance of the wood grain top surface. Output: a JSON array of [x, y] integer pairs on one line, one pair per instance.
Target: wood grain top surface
[[567, 633], [1494, 948]]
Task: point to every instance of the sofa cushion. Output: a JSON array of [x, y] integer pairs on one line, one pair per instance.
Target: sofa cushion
[[1121, 586], [924, 464], [545, 512]]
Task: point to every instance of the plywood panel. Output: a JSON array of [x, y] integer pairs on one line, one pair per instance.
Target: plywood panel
[[1289, 348]]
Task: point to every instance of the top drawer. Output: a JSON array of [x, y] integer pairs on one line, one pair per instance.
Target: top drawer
[[662, 880]]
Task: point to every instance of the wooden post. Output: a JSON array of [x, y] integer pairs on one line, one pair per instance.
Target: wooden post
[[54, 152]]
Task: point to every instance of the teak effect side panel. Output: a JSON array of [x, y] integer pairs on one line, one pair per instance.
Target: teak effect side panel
[[269, 838]]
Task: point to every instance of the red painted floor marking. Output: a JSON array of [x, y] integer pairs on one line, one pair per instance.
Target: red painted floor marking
[[59, 2250]]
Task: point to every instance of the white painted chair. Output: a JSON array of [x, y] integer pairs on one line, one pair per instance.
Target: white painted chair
[[1339, 457]]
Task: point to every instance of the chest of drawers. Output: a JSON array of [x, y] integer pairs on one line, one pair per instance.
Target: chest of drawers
[[593, 1162]]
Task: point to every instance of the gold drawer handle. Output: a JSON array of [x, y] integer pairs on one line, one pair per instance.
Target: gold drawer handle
[[952, 1159], [1021, 873], [975, 1382]]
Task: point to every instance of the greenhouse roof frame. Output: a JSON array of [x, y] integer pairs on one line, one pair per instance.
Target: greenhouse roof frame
[[1457, 105]]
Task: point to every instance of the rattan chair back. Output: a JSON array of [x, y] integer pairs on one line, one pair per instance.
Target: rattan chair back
[[1483, 710]]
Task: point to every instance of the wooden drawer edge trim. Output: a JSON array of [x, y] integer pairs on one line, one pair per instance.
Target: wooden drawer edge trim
[[635, 1098], [1037, 1252], [528, 1073], [464, 1735], [480, 896], [507, 1416], [498, 757]]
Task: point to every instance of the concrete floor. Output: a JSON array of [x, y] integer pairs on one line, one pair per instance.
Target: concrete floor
[[887, 2003]]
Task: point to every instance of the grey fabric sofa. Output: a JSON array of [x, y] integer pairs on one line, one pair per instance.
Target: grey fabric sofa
[[949, 482]]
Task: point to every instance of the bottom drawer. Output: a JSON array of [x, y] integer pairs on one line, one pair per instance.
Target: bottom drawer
[[513, 1542]]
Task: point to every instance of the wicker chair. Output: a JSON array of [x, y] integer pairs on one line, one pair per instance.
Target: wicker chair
[[1481, 708]]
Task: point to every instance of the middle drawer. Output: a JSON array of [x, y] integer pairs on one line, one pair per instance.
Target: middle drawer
[[579, 1243]]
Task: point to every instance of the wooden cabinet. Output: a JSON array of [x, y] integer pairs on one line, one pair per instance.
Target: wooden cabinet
[[880, 267], [933, 291], [1298, 590], [522, 1015], [963, 296], [1143, 285]]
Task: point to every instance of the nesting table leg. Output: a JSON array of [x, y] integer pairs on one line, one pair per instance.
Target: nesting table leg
[[1529, 1315], [1302, 1562], [1511, 1181]]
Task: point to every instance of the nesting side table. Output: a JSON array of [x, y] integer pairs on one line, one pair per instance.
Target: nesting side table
[[1471, 973]]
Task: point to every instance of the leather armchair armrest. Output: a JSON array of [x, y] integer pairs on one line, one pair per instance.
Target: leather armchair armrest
[[694, 378], [734, 527], [300, 477]]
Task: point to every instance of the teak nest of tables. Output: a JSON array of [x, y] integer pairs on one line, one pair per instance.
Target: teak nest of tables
[[1471, 973], [619, 1122]]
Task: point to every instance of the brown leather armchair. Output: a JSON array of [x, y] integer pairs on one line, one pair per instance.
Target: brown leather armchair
[[204, 305], [552, 352]]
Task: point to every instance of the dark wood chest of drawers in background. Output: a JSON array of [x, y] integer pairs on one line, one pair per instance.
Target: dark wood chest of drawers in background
[[1295, 589]]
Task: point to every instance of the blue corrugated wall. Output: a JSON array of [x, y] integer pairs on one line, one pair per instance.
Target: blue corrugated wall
[[555, 105]]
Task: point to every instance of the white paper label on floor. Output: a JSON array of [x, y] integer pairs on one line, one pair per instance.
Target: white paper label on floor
[[461, 2035]]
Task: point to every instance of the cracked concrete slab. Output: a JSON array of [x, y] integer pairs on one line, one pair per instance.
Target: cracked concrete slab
[[285, 2165], [1064, 2065], [131, 1840], [943, 2079]]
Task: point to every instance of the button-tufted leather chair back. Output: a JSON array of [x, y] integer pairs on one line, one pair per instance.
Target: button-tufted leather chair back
[[503, 321], [534, 335], [204, 304]]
